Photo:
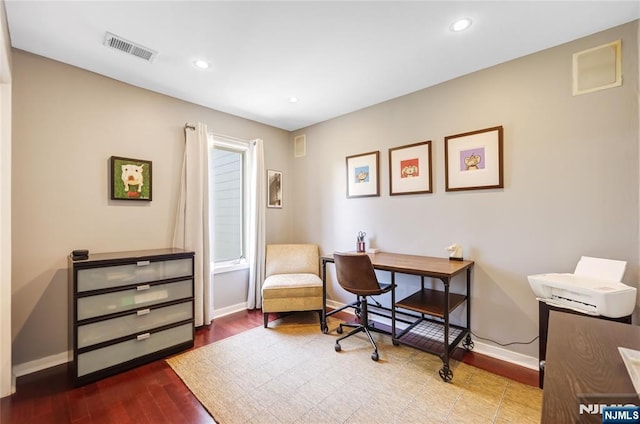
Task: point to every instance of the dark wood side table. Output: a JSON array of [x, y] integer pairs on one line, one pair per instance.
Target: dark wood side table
[[584, 367], [543, 323]]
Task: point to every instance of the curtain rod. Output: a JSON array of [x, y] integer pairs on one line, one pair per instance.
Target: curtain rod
[[189, 126]]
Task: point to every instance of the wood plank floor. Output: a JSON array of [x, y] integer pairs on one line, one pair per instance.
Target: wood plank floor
[[152, 393]]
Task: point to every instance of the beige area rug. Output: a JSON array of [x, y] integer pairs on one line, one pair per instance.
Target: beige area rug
[[290, 373]]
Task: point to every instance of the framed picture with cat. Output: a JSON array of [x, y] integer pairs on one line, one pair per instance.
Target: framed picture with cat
[[473, 160], [410, 169]]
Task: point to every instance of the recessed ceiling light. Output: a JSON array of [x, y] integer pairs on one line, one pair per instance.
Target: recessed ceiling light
[[293, 99], [202, 64], [460, 25]]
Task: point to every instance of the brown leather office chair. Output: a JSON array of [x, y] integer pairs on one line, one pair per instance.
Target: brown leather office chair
[[356, 275]]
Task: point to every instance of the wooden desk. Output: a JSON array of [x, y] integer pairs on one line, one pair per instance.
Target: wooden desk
[[433, 306], [543, 329], [584, 365]]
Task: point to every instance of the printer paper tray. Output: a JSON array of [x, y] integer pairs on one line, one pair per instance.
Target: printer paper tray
[[567, 305]]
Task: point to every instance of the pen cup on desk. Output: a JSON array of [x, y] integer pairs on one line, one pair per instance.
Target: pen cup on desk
[[360, 247]]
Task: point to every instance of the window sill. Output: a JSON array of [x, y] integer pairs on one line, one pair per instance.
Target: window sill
[[221, 268]]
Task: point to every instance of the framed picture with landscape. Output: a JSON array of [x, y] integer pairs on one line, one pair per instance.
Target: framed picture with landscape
[[130, 179]]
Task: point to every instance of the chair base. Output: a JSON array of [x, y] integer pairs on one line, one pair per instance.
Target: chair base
[[358, 328]]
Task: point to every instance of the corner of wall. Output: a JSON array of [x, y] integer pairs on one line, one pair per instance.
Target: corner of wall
[[7, 379]]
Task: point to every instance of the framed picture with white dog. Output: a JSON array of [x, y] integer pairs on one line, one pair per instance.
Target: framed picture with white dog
[[130, 179]]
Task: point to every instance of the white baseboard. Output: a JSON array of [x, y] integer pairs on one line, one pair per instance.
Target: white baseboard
[[506, 355], [335, 305], [218, 313], [43, 363], [490, 350]]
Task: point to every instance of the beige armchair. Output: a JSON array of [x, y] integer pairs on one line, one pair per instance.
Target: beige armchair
[[292, 280]]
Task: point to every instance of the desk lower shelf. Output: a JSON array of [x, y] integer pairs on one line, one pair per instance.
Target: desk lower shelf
[[431, 302]]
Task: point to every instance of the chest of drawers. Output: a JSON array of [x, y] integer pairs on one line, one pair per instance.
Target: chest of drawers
[[127, 309]]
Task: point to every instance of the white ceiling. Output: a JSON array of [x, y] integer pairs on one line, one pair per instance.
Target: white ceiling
[[335, 56]]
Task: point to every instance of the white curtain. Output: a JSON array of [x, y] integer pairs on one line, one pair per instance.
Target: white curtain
[[192, 230], [257, 206]]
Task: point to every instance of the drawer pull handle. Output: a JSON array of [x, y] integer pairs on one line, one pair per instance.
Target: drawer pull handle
[[143, 287], [143, 336], [143, 263], [143, 311]]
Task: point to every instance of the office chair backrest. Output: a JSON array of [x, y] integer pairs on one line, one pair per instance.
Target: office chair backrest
[[355, 274]]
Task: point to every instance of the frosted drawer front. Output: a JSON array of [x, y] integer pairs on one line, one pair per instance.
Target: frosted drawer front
[[98, 359], [141, 272], [126, 300], [143, 320]]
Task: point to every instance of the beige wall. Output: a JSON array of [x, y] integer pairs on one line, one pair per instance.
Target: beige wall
[[571, 180], [67, 124]]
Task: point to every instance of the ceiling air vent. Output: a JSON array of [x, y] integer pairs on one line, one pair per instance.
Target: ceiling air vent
[[116, 42]]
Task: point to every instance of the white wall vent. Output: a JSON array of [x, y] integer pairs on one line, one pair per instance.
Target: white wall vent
[[116, 42], [300, 146]]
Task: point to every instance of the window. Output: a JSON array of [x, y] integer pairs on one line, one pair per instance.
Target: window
[[229, 193]]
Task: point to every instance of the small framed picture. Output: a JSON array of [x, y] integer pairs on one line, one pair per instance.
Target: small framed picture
[[362, 175], [473, 160], [410, 169], [130, 179], [274, 189]]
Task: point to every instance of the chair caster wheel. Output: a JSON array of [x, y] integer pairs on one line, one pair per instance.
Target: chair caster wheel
[[337, 347], [339, 330], [375, 356]]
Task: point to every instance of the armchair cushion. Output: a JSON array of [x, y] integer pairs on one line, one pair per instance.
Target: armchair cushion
[[292, 285]]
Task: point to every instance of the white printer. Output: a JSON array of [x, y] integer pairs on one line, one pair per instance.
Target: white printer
[[594, 288]]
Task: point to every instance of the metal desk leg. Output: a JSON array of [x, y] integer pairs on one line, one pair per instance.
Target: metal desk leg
[[445, 372], [393, 309], [323, 324], [422, 287], [468, 343]]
